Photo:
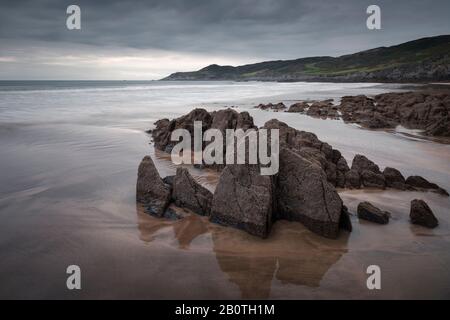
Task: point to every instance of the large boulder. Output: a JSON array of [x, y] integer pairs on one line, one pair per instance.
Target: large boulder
[[305, 195], [361, 163], [188, 193], [244, 199], [367, 211], [421, 214], [151, 191], [394, 179]]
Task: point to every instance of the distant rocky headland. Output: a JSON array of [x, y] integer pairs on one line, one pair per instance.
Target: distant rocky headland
[[305, 189], [422, 60]]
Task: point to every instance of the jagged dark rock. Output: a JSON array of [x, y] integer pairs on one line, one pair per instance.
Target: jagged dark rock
[[361, 163], [151, 191], [303, 190], [244, 199], [188, 193], [394, 179], [270, 106], [298, 107], [421, 214], [429, 111], [305, 195]]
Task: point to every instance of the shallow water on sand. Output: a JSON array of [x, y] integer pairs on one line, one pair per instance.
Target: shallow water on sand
[[68, 169]]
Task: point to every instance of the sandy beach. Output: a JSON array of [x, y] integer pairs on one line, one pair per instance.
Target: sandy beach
[[69, 198]]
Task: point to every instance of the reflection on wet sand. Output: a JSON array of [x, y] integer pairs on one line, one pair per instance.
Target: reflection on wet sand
[[292, 255]]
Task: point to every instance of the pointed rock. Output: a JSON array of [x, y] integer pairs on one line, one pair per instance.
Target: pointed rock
[[305, 195], [188, 193], [244, 199], [421, 214], [151, 191]]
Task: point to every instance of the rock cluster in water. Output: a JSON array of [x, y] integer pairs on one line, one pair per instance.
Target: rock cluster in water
[[427, 111], [303, 190]]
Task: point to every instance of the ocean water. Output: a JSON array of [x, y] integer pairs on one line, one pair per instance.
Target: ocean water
[[69, 157]]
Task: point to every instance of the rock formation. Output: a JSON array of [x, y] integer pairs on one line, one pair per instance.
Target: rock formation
[[429, 111], [270, 106], [188, 193], [303, 190], [151, 191], [244, 199], [420, 183], [305, 195]]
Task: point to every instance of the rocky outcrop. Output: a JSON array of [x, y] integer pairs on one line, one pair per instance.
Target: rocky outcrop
[[221, 119], [367, 211], [366, 173], [311, 148], [188, 193], [304, 189], [299, 107], [151, 191], [322, 109], [422, 184], [429, 111], [164, 128], [305, 195], [440, 128], [244, 199], [270, 106], [421, 214]]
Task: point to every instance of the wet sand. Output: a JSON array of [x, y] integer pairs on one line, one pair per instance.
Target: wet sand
[[68, 197]]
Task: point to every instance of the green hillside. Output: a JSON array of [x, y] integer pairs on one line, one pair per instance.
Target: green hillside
[[426, 59]]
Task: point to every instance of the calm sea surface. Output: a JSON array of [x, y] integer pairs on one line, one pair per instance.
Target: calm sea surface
[[69, 157]]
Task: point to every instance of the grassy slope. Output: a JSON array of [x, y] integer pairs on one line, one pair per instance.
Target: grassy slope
[[383, 58]]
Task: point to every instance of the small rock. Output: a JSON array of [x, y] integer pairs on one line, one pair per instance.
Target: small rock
[[369, 212]]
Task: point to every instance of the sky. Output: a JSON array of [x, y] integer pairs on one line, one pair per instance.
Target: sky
[[149, 39]]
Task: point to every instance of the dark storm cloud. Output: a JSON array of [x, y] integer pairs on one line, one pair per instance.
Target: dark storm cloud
[[247, 30]]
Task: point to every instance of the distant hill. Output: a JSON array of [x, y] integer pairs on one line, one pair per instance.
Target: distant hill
[[426, 59]]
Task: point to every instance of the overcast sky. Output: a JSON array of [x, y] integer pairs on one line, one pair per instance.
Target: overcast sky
[[140, 39]]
